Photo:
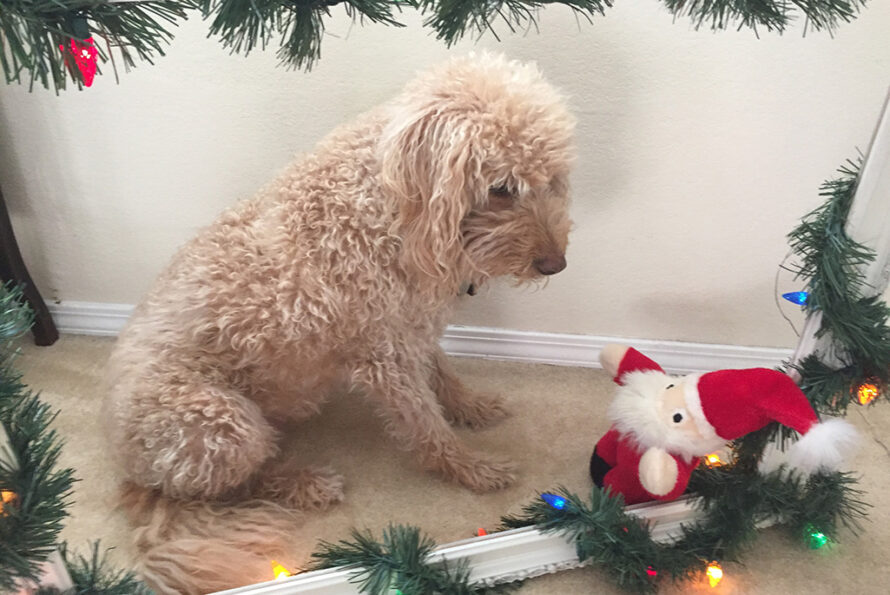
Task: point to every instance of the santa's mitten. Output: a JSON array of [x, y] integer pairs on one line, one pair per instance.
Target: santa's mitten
[[658, 472]]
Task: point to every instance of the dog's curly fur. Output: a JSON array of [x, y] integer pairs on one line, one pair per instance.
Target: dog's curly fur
[[343, 273]]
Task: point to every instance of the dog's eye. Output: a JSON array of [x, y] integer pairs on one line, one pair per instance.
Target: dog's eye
[[501, 191], [669, 387], [501, 197]]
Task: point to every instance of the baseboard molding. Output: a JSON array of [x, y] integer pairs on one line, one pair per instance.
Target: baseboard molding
[[89, 318]]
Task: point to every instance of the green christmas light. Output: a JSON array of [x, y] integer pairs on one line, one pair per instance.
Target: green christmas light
[[816, 538]]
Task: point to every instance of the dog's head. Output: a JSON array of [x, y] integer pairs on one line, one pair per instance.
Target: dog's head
[[476, 154]]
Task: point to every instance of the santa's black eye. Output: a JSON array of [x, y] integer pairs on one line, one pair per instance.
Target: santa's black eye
[[678, 417], [670, 386]]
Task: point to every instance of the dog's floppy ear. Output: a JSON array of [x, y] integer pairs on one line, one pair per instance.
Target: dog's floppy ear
[[431, 164]]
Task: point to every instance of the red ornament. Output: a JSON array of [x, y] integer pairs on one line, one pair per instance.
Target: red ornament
[[85, 56], [651, 571]]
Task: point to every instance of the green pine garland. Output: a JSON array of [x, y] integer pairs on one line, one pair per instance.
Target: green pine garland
[[733, 501], [93, 575], [857, 324], [30, 523], [32, 30], [398, 562]]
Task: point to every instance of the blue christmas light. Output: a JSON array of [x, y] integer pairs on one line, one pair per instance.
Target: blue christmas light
[[557, 502], [797, 297]]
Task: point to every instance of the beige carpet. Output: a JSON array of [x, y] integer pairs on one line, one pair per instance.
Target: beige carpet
[[558, 416]]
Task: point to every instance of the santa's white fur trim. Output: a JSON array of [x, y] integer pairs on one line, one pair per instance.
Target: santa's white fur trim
[[658, 472], [826, 445], [693, 405]]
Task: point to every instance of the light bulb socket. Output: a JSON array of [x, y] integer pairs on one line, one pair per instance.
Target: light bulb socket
[[79, 25]]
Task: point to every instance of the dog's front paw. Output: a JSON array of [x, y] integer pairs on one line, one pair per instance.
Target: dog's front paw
[[478, 411], [482, 475], [312, 488]]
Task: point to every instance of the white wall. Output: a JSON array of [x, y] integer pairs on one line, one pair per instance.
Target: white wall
[[698, 152]]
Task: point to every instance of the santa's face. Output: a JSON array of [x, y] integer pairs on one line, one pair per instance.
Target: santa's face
[[652, 407], [675, 415], [675, 412]]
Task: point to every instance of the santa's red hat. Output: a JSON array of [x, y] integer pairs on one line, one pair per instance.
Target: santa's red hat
[[732, 403]]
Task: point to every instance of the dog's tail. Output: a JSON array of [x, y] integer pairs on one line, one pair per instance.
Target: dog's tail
[[192, 547]]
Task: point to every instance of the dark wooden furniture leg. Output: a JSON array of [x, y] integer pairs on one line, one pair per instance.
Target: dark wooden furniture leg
[[12, 269]]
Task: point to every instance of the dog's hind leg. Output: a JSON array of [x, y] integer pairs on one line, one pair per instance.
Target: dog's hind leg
[[192, 438], [400, 386], [463, 406]]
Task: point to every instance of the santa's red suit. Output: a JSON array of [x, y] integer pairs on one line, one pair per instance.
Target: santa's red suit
[[616, 459]]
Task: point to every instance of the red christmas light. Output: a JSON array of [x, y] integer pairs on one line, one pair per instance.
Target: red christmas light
[[85, 56]]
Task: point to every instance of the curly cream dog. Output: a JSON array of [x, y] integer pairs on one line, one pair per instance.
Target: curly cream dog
[[344, 272]]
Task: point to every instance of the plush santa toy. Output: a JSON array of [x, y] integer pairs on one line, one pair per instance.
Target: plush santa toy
[[662, 424]]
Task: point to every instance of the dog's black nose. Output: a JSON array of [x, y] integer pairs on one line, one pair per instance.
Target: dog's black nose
[[550, 265]]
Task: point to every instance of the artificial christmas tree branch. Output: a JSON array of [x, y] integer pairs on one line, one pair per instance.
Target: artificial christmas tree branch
[[32, 31], [773, 15], [299, 24]]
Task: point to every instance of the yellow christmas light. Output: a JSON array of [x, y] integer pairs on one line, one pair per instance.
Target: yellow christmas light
[[6, 496], [866, 393], [279, 571], [715, 574], [713, 460]]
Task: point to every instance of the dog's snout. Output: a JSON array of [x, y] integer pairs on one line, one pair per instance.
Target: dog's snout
[[550, 264]]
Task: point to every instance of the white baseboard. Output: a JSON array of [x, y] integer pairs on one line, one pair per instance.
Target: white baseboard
[[89, 318], [583, 350]]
